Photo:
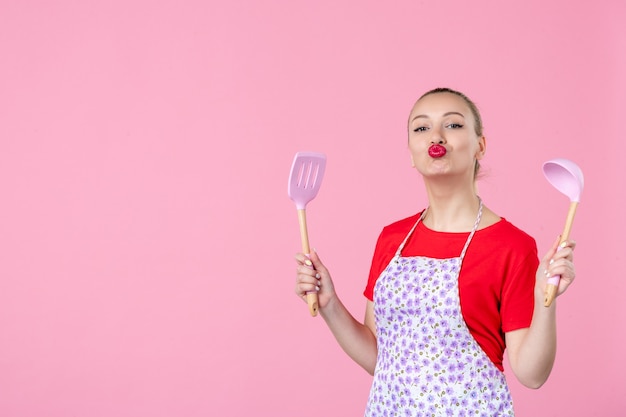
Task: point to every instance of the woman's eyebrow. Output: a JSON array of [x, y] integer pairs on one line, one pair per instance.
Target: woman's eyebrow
[[444, 115], [454, 112]]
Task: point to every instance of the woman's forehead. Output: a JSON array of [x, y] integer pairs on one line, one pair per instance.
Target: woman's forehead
[[440, 103]]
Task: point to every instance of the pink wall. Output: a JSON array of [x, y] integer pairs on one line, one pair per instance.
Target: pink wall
[[146, 235]]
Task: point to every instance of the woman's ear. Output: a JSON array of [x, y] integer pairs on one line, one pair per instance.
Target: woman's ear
[[482, 147]]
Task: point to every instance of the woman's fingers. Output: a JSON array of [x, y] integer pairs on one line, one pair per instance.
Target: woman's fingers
[[562, 260], [307, 278], [563, 267], [312, 275], [302, 259], [558, 262]]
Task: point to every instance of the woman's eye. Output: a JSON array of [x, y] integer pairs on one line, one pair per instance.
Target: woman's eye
[[420, 129], [454, 126]]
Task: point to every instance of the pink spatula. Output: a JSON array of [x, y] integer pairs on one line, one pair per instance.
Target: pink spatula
[[567, 177], [305, 179]]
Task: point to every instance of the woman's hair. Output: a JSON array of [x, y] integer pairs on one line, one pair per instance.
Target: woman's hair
[[478, 121]]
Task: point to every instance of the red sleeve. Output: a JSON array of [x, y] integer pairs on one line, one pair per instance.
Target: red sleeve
[[381, 254], [497, 284], [518, 297]]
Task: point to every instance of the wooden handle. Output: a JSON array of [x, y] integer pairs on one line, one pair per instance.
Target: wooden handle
[[311, 296], [551, 289], [304, 234], [311, 299], [569, 221], [550, 294]]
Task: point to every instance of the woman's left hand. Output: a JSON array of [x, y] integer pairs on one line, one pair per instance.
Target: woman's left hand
[[559, 260]]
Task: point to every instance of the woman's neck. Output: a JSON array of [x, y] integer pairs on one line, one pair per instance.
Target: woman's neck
[[451, 210]]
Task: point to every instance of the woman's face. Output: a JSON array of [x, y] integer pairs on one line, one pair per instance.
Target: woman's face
[[444, 119]]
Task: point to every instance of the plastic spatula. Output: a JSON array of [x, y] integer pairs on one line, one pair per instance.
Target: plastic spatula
[[305, 179]]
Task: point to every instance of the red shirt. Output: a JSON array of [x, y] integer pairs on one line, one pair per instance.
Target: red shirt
[[497, 279]]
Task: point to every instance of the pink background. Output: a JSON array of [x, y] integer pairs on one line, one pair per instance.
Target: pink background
[[146, 237]]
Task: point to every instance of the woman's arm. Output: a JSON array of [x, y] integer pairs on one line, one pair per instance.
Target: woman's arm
[[532, 351], [357, 339]]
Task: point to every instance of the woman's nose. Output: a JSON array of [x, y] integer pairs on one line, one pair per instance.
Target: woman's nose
[[437, 137]]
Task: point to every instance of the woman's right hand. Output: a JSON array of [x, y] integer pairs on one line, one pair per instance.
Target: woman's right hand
[[312, 275]]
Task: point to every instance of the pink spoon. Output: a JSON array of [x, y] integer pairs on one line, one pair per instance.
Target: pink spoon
[[567, 177]]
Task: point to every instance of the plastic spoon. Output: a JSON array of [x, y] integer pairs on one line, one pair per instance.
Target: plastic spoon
[[567, 177], [305, 179]]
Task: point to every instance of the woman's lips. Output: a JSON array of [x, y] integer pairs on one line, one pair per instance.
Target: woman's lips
[[436, 151]]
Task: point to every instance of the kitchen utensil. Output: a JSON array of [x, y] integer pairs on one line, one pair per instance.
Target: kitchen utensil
[[567, 177], [307, 171]]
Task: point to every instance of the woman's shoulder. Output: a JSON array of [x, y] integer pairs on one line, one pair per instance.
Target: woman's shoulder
[[401, 226], [395, 232], [505, 231]]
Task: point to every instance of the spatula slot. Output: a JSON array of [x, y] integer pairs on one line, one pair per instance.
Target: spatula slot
[[307, 174]]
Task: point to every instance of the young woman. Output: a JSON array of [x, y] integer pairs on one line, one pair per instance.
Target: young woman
[[449, 288]]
